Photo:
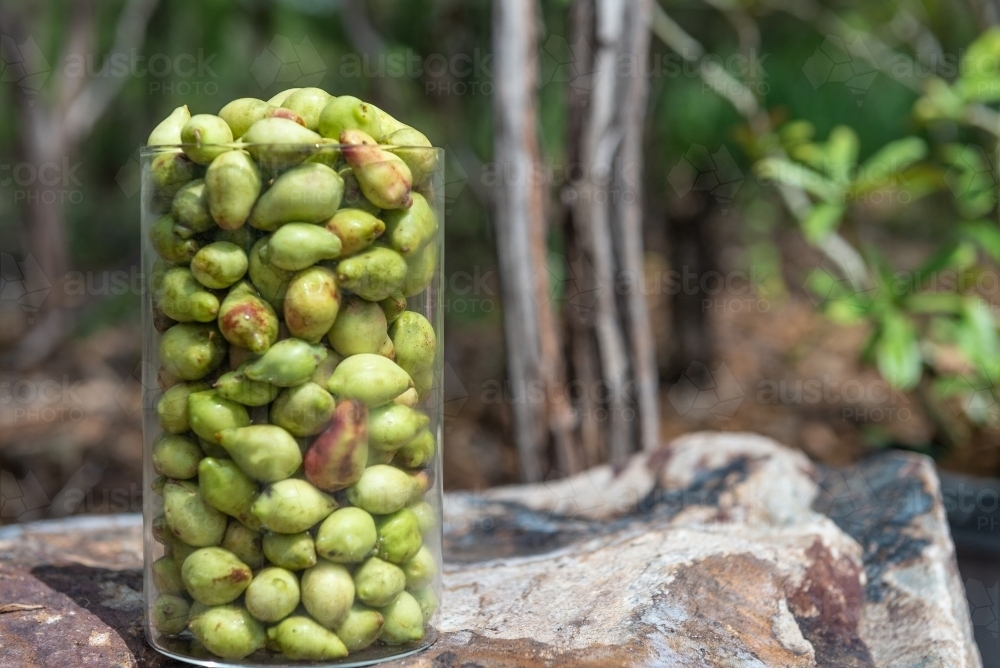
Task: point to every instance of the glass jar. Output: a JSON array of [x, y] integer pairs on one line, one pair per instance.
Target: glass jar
[[292, 415]]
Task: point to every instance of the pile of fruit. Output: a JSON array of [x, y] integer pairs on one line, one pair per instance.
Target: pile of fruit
[[295, 446]]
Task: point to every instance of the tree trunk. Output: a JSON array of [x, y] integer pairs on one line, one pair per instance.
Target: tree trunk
[[609, 344], [42, 144], [53, 124], [534, 365], [606, 217], [627, 226]]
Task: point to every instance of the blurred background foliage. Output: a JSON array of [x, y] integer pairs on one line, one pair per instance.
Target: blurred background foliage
[[925, 208]]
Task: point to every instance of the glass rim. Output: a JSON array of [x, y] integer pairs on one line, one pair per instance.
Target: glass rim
[[237, 145]]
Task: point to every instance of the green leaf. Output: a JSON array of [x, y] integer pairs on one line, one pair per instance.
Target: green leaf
[[942, 259], [933, 303], [985, 235], [799, 176], [983, 54], [971, 179], [897, 353], [823, 220], [967, 157], [823, 284], [842, 150], [794, 133], [977, 332], [979, 204], [952, 386], [984, 88], [978, 79], [965, 255], [889, 162], [845, 312], [923, 178], [812, 154], [883, 273], [940, 101], [854, 307]]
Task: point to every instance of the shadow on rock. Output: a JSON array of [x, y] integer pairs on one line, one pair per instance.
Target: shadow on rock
[[113, 596]]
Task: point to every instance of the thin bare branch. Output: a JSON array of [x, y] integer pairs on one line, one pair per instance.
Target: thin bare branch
[[81, 40], [600, 146], [673, 35], [520, 222], [88, 107], [627, 223]]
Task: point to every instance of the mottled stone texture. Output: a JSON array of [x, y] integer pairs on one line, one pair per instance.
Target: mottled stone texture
[[719, 550]]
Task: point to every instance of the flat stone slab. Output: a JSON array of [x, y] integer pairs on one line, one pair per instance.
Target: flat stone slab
[[719, 550]]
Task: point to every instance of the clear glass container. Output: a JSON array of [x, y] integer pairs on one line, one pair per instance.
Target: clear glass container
[[292, 415]]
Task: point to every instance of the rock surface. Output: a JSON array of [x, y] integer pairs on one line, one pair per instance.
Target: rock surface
[[719, 550]]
